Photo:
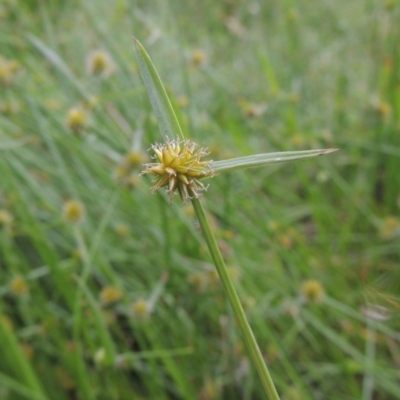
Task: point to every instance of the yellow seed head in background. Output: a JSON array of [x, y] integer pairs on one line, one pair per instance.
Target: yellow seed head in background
[[110, 294], [198, 280], [121, 229], [77, 255], [389, 228], [8, 68], [9, 107], [99, 62], [126, 171], [132, 181], [5, 217], [76, 119], [312, 291], [73, 211], [209, 391], [134, 159], [179, 167], [99, 356], [141, 309], [19, 286], [198, 57], [182, 101]]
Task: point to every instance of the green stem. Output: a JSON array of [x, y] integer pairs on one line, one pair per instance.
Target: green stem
[[78, 355], [230, 291], [18, 363]]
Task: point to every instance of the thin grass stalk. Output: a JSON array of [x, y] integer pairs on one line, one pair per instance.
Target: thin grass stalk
[[233, 298], [20, 365], [80, 365]]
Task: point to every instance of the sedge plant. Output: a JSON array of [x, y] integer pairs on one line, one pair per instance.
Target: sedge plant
[[179, 166]]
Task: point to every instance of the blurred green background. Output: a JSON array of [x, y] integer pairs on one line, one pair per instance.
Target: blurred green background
[[107, 291]]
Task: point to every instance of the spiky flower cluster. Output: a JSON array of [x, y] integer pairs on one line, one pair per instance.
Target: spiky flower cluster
[[179, 167]]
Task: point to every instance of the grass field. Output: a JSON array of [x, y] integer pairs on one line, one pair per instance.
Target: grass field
[[108, 291]]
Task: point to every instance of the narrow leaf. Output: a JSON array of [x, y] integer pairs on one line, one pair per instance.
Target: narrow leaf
[[269, 73], [260, 160], [59, 64], [166, 118], [101, 327]]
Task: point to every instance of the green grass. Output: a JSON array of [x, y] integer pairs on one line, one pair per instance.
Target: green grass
[[329, 75]]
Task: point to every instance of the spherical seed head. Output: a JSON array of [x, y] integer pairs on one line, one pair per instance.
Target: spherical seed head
[[141, 309], [198, 57], [19, 286], [73, 211], [293, 393], [183, 101], [234, 272], [122, 230], [27, 350], [198, 281], [390, 227], [7, 70], [213, 278], [209, 391], [110, 294], [77, 255], [52, 104], [179, 167], [99, 356], [5, 217], [312, 291], [76, 119], [188, 210], [134, 159], [99, 63], [384, 108], [132, 181], [121, 172], [9, 107]]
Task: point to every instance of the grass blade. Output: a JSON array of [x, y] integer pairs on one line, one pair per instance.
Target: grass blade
[[260, 160], [12, 352], [165, 114], [22, 390]]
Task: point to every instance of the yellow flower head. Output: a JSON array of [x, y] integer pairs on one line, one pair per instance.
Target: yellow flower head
[[110, 294], [19, 286], [198, 280], [8, 69], [9, 107], [389, 229], [198, 57], [5, 217], [99, 63], [73, 211], [121, 229], [76, 119], [179, 168], [312, 291], [141, 309], [134, 159]]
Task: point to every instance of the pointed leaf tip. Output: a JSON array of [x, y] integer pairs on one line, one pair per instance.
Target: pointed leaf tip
[[328, 151], [259, 160], [163, 110]]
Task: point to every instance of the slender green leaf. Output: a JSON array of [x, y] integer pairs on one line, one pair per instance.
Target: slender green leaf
[[18, 387], [269, 73], [101, 326], [259, 160], [12, 144], [142, 355], [165, 114], [59, 64], [18, 363], [230, 291]]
